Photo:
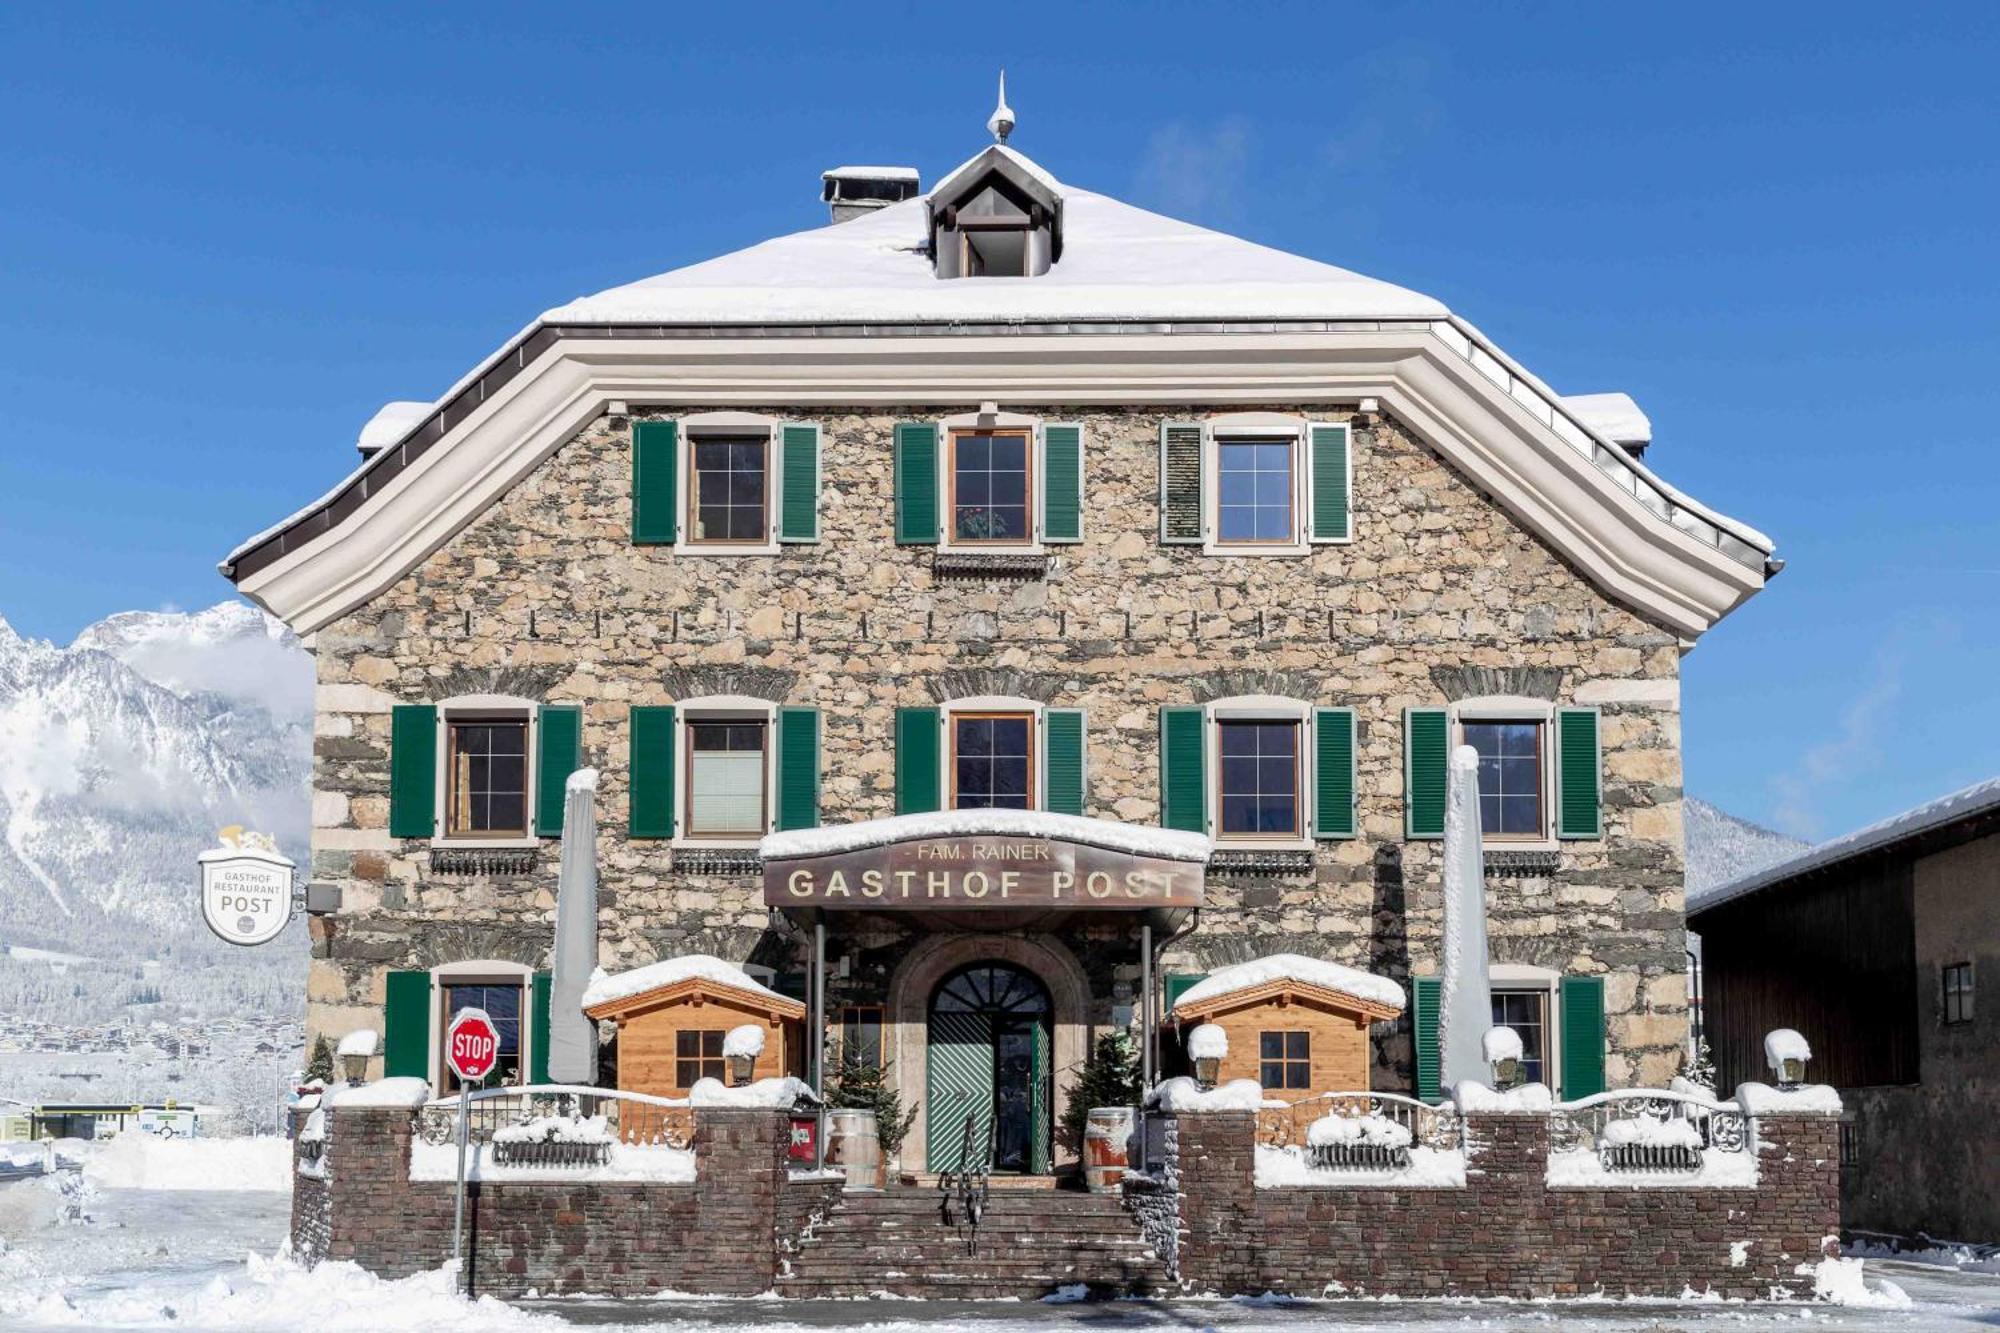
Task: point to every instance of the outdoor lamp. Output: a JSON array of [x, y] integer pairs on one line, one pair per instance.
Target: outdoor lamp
[[739, 1066], [357, 1048], [1502, 1048], [1786, 1052], [740, 1049], [1207, 1045]]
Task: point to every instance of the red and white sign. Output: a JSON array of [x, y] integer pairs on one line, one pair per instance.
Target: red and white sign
[[471, 1045]]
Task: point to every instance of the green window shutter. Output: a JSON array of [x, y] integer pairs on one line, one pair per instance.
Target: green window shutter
[[798, 768], [1180, 482], [798, 496], [655, 474], [1183, 770], [1062, 483], [918, 768], [406, 1025], [916, 484], [649, 802], [1332, 516], [413, 771], [1579, 775], [1424, 1029], [538, 1025], [1333, 772], [1425, 752], [558, 744], [1179, 984], [1582, 1037], [1063, 781]]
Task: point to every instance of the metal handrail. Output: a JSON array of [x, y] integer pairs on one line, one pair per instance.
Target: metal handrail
[[968, 1186], [635, 1118]]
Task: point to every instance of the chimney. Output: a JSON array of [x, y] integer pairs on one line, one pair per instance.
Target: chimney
[[852, 192]]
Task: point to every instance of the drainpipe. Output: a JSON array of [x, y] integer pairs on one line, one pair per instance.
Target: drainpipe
[[817, 1051], [1146, 1005]]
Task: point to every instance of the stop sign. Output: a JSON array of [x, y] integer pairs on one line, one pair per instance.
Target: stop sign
[[471, 1045]]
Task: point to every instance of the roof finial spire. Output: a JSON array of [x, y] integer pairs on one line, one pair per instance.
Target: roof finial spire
[[1001, 123]]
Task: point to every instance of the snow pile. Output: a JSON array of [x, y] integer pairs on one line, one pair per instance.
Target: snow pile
[[1207, 1042], [139, 1161], [1499, 1044], [1183, 1096], [1963, 1258], [1839, 1281], [1137, 839], [1475, 1096], [391, 422], [383, 1092], [584, 779], [628, 1163], [1615, 416], [1377, 1131], [1782, 1044], [746, 1040], [556, 1129], [1290, 967], [1807, 1099], [1583, 1169], [1645, 1131], [776, 1093], [361, 1042], [671, 972], [1429, 1168]]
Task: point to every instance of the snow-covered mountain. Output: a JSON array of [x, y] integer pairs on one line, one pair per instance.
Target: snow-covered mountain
[[1722, 848], [122, 754]]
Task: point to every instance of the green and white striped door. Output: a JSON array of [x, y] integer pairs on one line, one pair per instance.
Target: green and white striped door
[[959, 1083]]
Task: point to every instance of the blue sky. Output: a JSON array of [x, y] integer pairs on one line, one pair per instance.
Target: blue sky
[[230, 234]]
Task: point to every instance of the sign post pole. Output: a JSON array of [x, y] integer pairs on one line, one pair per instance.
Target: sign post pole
[[471, 1049]]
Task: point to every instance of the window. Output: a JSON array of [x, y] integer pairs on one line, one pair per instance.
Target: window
[[725, 788], [992, 761], [1510, 777], [1259, 778], [486, 776], [1255, 491], [991, 478], [995, 252], [1850, 1144], [1527, 1012], [1958, 993], [727, 494], [502, 1003], [861, 1035], [1284, 1059], [697, 1055]]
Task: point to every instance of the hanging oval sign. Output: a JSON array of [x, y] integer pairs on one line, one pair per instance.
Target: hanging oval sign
[[246, 889]]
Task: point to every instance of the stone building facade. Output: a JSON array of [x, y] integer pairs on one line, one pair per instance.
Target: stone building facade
[[1497, 548]]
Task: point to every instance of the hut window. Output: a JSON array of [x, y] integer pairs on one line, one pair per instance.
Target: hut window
[[992, 763], [697, 1055], [1958, 993], [992, 476], [1259, 779], [861, 1035], [728, 499], [486, 775], [1527, 1012], [726, 761], [1284, 1059], [1510, 777], [502, 1003]]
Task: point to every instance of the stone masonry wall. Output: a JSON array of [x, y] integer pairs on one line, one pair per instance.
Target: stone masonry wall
[[1506, 1233], [723, 1235], [1441, 595]]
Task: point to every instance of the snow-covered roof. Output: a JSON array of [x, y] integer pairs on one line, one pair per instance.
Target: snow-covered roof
[[1289, 967], [870, 173], [1615, 416], [391, 422], [1965, 803], [671, 972], [1118, 262], [1135, 839]]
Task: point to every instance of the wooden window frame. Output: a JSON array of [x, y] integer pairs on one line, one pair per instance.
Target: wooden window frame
[[477, 974], [692, 474], [687, 725], [451, 722], [1286, 1061], [701, 1059], [1958, 1004], [1030, 485], [1550, 1058], [951, 719], [1291, 441], [1300, 830], [1544, 814]]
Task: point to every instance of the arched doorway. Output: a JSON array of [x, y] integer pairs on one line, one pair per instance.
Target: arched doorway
[[989, 1038]]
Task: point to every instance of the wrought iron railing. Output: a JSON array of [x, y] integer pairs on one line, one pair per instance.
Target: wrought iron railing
[[1662, 1130], [556, 1154], [1427, 1127], [630, 1118]]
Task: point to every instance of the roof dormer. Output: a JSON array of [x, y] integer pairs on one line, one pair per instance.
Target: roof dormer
[[999, 215]]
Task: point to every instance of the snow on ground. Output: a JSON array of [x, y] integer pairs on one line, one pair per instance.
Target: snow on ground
[[141, 1161]]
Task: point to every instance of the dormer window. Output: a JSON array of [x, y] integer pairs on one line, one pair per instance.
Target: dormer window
[[998, 216], [995, 252]]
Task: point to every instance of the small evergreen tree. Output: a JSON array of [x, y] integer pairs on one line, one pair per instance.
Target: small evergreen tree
[[864, 1085], [1110, 1077], [321, 1065], [1701, 1069]]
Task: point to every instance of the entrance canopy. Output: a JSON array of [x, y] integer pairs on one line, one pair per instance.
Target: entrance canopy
[[985, 869]]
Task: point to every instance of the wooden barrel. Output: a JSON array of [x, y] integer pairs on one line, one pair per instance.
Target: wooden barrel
[[1107, 1146], [852, 1145]]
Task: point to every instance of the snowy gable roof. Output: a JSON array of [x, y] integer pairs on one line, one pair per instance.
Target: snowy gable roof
[[1287, 971], [689, 970], [1981, 798], [1118, 262]]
